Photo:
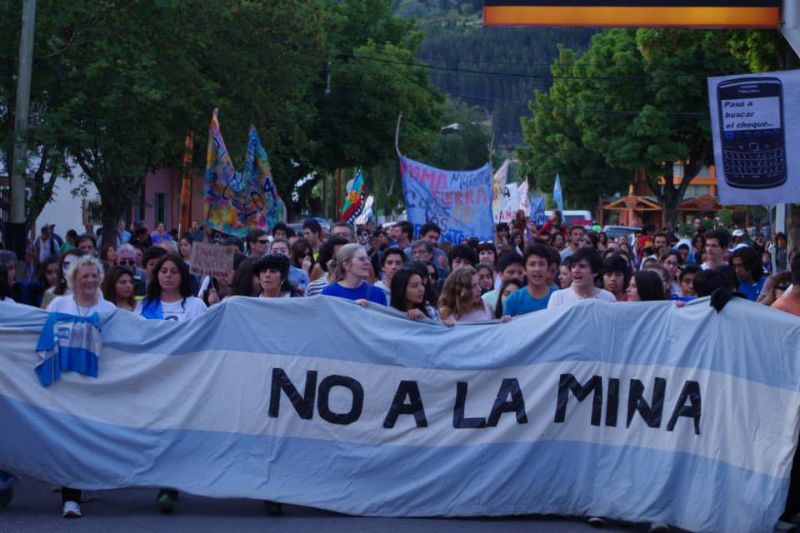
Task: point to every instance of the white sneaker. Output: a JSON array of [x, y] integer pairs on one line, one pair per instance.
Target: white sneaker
[[71, 510]]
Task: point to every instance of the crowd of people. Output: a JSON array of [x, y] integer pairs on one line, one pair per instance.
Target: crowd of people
[[523, 270]]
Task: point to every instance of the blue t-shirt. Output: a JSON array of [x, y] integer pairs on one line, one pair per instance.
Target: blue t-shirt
[[365, 291], [752, 290], [520, 302]]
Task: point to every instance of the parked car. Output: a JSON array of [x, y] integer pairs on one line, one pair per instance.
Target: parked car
[[617, 231], [573, 217]]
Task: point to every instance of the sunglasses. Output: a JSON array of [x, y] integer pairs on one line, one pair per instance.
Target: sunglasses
[[127, 262], [264, 241]]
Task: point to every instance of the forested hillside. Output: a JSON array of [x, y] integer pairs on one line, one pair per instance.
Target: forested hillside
[[497, 69]]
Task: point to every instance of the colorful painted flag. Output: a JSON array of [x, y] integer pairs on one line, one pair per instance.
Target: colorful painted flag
[[238, 202], [557, 197], [354, 200]]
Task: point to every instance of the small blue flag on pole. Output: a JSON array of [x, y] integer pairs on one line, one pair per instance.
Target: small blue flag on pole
[[557, 197]]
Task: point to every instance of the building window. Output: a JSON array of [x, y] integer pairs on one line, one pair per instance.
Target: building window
[[693, 191], [161, 208]]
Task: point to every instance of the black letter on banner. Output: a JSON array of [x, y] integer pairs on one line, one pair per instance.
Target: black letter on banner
[[636, 402], [568, 383], [410, 390], [612, 403], [353, 386], [515, 405], [690, 391], [459, 421], [304, 405]]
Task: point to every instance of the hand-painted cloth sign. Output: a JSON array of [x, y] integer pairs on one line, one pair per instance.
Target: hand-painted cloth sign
[[670, 414], [755, 122], [498, 189], [460, 202], [209, 259], [237, 202]]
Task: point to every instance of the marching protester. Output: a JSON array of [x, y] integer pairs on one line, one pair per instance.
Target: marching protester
[[327, 252], [747, 266], [585, 265], [169, 297], [485, 277], [616, 274], [645, 286], [460, 300], [118, 288], [298, 277], [715, 247], [509, 266], [790, 301], [61, 287], [508, 287], [393, 260], [539, 263], [169, 292], [408, 294], [83, 277], [351, 271], [272, 271]]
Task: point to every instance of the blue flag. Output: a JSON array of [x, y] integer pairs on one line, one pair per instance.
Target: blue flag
[[557, 197], [537, 210]]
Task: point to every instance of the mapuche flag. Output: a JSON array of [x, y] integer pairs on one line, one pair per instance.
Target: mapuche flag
[[354, 201]]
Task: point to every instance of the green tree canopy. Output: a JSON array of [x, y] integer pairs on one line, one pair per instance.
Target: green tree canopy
[[635, 101]]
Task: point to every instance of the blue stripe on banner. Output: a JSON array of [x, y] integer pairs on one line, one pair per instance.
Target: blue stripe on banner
[[696, 336], [570, 478]]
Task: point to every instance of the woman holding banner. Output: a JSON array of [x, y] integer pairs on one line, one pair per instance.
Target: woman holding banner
[[351, 269], [461, 298], [169, 293]]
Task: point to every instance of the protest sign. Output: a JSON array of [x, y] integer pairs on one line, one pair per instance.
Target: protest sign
[[460, 202], [755, 119], [672, 413], [208, 259]]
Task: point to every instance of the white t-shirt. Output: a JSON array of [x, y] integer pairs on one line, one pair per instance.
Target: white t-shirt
[[67, 304], [180, 310], [565, 296], [386, 290]]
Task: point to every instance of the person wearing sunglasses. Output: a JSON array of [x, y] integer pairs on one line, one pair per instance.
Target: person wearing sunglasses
[[257, 243], [126, 258]]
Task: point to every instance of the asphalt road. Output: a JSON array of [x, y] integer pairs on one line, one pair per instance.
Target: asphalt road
[[36, 508]]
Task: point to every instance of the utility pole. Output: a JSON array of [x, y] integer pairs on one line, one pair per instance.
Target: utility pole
[[15, 236], [791, 23]]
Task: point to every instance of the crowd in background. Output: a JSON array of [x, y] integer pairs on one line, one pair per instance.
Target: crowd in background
[[524, 269]]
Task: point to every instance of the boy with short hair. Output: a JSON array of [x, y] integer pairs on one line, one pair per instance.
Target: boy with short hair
[[539, 264]]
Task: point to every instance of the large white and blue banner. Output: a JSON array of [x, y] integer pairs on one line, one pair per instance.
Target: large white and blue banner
[[460, 202], [641, 411]]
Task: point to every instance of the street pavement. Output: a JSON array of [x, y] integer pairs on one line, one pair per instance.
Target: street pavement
[[36, 508]]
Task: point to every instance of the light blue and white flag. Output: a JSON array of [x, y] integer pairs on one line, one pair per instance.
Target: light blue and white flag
[[537, 210], [652, 414], [557, 196]]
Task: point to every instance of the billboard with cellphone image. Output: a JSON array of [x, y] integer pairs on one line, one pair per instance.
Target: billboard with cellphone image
[[754, 121]]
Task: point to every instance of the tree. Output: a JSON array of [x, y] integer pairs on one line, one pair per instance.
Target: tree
[[120, 85], [638, 99], [556, 142], [47, 161]]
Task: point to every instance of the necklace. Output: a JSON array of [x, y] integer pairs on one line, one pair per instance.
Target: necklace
[[79, 307]]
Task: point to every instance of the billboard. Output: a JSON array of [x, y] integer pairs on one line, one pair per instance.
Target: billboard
[[634, 13]]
